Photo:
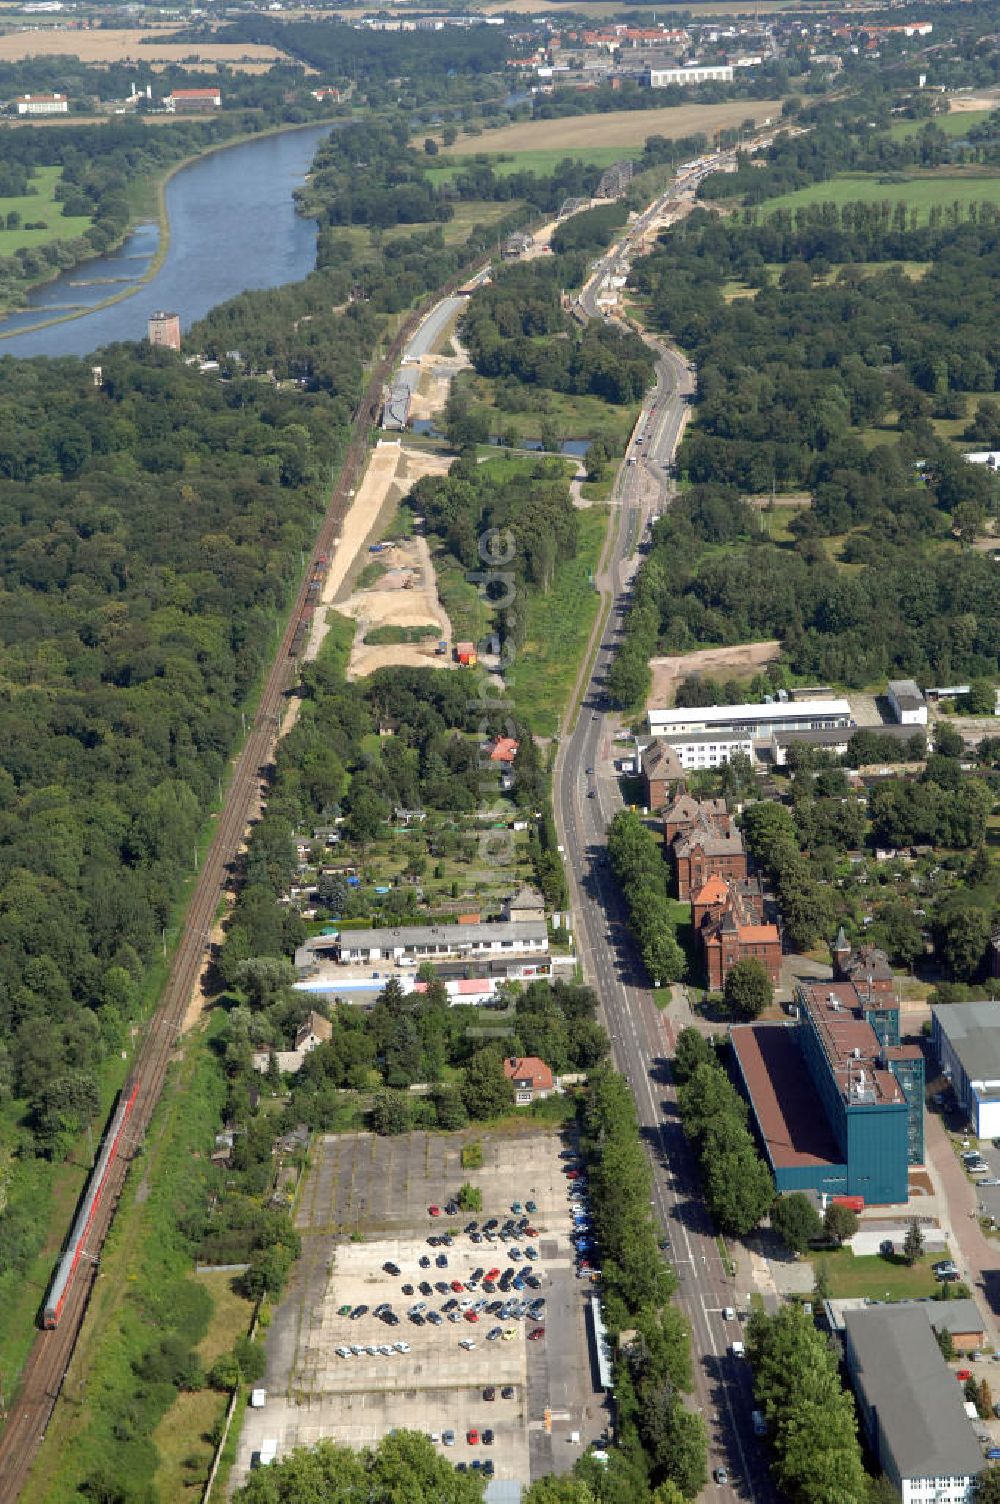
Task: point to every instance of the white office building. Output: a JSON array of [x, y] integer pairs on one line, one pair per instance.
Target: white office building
[[910, 1406], [759, 722], [693, 73], [965, 1038]]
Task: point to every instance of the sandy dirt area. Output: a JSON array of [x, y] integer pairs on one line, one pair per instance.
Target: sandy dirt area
[[618, 128], [962, 104], [743, 657], [436, 375], [123, 45], [391, 471], [405, 596]]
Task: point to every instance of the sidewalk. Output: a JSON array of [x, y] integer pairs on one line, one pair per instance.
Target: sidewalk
[[977, 1257]]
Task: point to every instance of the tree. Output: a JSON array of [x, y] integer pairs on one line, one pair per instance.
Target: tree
[[553, 1489], [391, 1112], [839, 1222], [987, 1488], [822, 1289], [796, 1221], [486, 1091], [946, 1343], [748, 988], [431, 146], [692, 1049], [960, 939], [913, 1243], [403, 1466], [470, 1198]]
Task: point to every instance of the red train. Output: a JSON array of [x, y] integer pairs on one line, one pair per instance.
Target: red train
[[96, 1187]]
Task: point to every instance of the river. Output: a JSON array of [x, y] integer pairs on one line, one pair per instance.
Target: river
[[232, 226]]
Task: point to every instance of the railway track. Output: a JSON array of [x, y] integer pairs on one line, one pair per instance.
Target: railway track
[[45, 1371]]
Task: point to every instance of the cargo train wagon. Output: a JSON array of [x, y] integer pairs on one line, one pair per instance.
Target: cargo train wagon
[[96, 1187]]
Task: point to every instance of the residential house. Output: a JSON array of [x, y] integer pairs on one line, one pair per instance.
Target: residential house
[[313, 1031], [531, 1077], [466, 655], [865, 965], [523, 905], [503, 751]]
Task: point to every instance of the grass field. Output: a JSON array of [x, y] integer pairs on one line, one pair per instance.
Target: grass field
[[467, 213], [876, 1277], [574, 417], [618, 128], [955, 125], [557, 626], [39, 206], [920, 193], [542, 160]]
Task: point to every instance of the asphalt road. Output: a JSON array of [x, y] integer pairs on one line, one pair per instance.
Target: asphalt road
[[642, 1037]]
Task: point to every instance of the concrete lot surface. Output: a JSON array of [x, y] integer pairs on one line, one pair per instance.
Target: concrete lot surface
[[364, 1203]]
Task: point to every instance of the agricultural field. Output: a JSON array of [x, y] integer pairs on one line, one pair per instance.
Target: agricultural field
[[618, 128], [923, 193], [39, 207], [126, 45]]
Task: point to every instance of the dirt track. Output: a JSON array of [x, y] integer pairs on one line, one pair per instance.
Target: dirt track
[[740, 659]]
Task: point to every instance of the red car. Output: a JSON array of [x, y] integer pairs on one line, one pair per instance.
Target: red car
[[963, 1374], [493, 1274], [457, 1286], [472, 1437], [572, 1174], [472, 1316], [435, 1211], [538, 1332], [532, 1232]]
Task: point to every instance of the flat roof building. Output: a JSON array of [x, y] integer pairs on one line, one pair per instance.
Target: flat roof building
[[908, 704], [910, 1406], [844, 1059], [691, 73], [757, 721], [965, 1038], [426, 942], [42, 104]]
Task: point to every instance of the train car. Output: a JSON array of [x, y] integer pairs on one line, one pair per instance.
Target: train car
[[89, 1206]]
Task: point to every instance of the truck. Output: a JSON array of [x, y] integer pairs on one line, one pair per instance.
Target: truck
[[268, 1451]]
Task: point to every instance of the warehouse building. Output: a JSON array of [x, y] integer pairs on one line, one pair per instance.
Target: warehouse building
[[837, 1100], [965, 1038], [911, 1408], [692, 73], [429, 942]]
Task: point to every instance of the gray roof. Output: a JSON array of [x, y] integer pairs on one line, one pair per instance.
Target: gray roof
[[444, 934], [973, 1031], [898, 1368], [906, 694], [824, 736], [943, 1315]]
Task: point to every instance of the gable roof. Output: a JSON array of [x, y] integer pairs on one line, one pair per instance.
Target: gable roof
[[715, 889], [530, 1069]]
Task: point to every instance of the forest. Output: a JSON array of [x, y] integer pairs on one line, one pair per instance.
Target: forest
[[833, 384], [506, 323]]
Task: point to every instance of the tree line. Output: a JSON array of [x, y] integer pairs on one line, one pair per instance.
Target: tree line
[[737, 1184]]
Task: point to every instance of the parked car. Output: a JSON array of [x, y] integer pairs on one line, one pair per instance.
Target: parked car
[[472, 1436], [448, 1438], [538, 1332], [721, 1475], [435, 1211]]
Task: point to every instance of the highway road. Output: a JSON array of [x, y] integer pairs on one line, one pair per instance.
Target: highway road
[[586, 797]]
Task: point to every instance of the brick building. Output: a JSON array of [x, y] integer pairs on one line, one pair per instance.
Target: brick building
[[703, 842], [662, 774], [731, 925]]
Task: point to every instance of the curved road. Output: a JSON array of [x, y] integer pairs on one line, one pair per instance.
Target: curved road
[[586, 797]]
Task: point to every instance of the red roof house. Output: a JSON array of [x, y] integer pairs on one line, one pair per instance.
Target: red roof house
[[531, 1077]]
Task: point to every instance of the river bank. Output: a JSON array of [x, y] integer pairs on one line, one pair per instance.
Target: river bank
[[150, 191]]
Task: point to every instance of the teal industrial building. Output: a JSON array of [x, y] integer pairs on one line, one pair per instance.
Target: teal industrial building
[[837, 1099]]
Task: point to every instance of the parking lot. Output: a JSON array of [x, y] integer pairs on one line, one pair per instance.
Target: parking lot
[[527, 1405]]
